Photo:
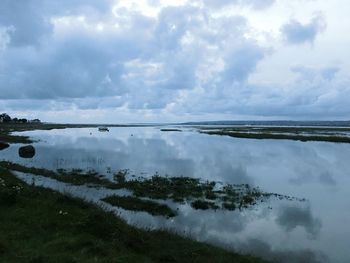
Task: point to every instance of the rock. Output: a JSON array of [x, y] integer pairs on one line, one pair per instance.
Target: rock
[[26, 151], [4, 145]]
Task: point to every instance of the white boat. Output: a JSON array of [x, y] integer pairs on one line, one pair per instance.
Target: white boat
[[103, 129]]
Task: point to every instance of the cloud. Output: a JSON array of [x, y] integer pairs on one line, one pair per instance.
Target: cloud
[[4, 38], [311, 73], [296, 33], [31, 19], [261, 4], [26, 20], [290, 217], [316, 92], [75, 68], [145, 61], [184, 59], [255, 4], [242, 62], [326, 178]]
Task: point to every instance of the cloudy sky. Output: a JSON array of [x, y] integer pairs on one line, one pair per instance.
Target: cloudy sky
[[174, 60]]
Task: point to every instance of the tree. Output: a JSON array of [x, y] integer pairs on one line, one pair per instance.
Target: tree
[[5, 117]]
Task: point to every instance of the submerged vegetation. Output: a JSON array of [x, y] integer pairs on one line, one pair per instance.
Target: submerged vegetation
[[199, 194], [40, 225]]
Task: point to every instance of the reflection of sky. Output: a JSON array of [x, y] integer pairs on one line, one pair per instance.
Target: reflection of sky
[[317, 171]]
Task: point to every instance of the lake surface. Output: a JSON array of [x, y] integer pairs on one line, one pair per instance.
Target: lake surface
[[289, 231]]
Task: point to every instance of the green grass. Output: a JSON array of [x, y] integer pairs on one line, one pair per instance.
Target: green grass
[[136, 204], [40, 225]]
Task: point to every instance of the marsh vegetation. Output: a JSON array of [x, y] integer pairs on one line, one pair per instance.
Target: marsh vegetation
[[323, 134], [199, 194]]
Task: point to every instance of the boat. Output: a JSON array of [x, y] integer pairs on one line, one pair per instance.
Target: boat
[[103, 129]]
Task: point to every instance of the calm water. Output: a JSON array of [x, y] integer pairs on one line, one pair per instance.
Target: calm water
[[312, 231]]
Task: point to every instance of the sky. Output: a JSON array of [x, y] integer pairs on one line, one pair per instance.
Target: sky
[[126, 61]]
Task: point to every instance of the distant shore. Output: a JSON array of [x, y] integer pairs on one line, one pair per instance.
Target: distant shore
[[334, 134]]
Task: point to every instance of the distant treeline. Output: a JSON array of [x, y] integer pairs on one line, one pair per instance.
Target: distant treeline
[[5, 118]]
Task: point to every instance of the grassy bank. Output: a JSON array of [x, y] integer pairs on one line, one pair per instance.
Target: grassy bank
[[7, 128], [39, 225]]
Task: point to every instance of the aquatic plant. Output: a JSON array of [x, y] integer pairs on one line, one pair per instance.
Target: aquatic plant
[[201, 195]]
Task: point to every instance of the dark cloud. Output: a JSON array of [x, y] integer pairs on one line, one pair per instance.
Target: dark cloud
[[30, 20], [26, 20], [290, 217], [173, 23], [327, 179], [295, 32], [75, 68], [242, 62]]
